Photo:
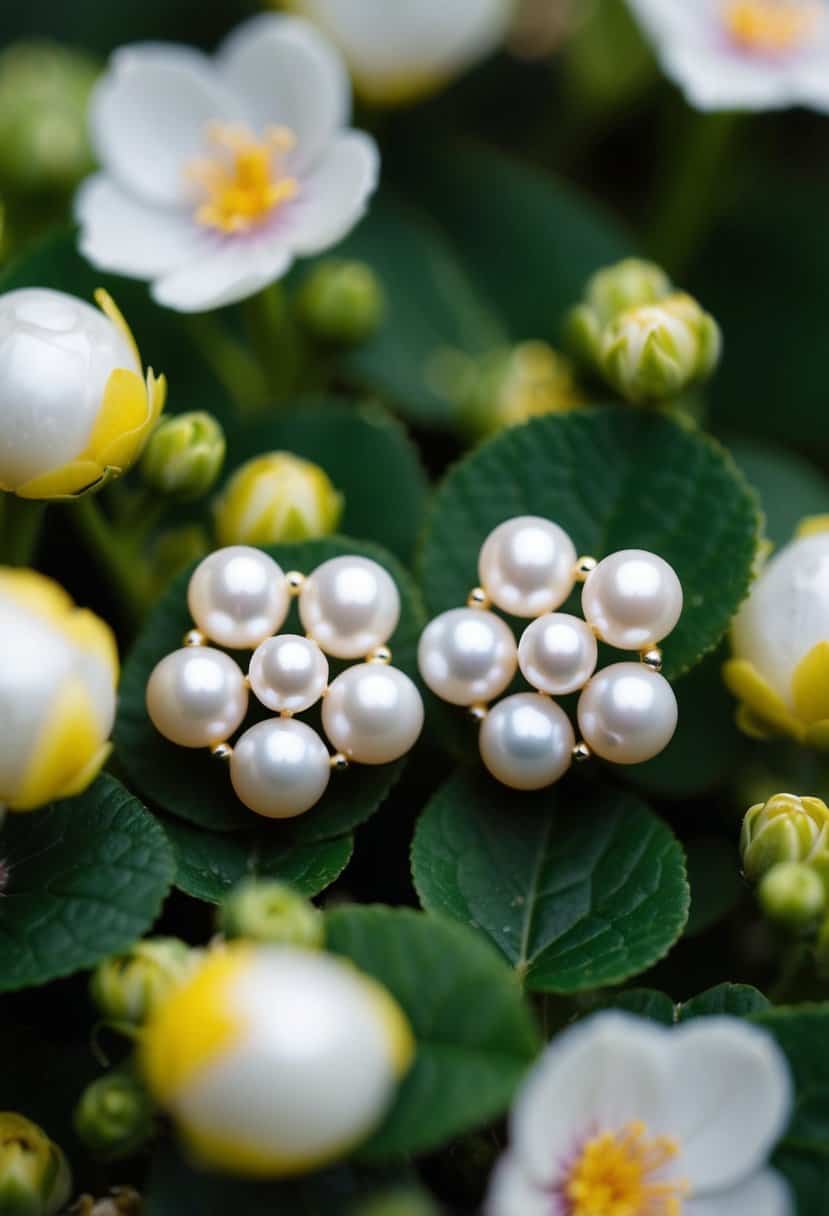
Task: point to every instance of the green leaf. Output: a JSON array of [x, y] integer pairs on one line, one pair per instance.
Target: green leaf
[[789, 486], [716, 885], [209, 865], [87, 877], [644, 1003], [366, 453], [475, 1035], [808, 1175], [736, 1000], [188, 783], [803, 1034], [578, 886], [614, 478]]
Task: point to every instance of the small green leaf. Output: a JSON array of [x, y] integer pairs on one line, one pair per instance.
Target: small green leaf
[[578, 886], [736, 1000], [716, 885], [188, 783], [614, 478], [87, 877], [475, 1035], [789, 486], [644, 1003], [209, 864], [803, 1034]]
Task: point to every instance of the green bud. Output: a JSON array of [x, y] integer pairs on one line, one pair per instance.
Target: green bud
[[34, 1175], [184, 456], [792, 894], [400, 1201], [507, 387], [341, 302], [266, 910], [276, 498], [631, 283], [114, 1116], [129, 987], [785, 828]]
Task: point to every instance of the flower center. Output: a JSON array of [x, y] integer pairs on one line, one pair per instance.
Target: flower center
[[613, 1176], [242, 181], [772, 27]]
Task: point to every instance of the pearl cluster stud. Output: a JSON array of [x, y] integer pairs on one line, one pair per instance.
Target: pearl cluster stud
[[239, 599], [626, 713]]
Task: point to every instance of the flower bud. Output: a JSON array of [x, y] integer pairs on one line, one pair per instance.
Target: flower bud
[[786, 828], [129, 987], [402, 1201], [34, 1175], [184, 456], [75, 404], [276, 498], [792, 894], [230, 1056], [507, 387], [265, 910], [631, 283], [114, 1116], [341, 302]]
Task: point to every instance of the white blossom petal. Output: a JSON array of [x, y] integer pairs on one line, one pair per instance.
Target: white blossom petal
[[288, 75], [764, 1194], [124, 235], [229, 269], [512, 1193], [335, 195]]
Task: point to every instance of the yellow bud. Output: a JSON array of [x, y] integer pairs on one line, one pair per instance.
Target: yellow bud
[[34, 1175], [277, 498], [785, 828]]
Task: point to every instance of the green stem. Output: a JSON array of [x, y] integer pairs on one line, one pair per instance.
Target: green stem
[[117, 556], [231, 362], [277, 339], [22, 519]]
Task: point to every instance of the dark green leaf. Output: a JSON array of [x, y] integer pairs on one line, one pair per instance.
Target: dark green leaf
[[644, 1003], [808, 1176], [803, 1034], [716, 885], [736, 1000]]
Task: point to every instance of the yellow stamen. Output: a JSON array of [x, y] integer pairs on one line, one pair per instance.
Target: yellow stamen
[[772, 27], [242, 181], [613, 1176]]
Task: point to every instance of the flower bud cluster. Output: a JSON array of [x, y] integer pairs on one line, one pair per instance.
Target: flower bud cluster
[[785, 850]]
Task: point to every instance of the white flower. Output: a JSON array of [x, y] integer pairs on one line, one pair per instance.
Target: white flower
[[623, 1117], [402, 49], [742, 54], [218, 173]]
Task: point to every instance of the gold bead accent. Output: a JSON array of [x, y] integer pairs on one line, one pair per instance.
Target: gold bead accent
[[477, 598], [286, 713], [380, 654], [581, 752], [195, 637], [339, 762], [652, 658], [296, 581], [584, 567], [222, 751], [478, 712]]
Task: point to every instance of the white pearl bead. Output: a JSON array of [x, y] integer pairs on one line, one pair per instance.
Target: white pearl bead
[[288, 673], [373, 713], [467, 656], [196, 697], [632, 599], [349, 606], [627, 713], [280, 768], [238, 597], [557, 654], [527, 566], [527, 741]]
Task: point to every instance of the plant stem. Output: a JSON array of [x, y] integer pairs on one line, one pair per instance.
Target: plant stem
[[117, 556], [21, 523], [231, 362], [276, 338]]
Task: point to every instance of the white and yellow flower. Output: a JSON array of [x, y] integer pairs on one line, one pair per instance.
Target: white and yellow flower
[[217, 173], [58, 675], [398, 52], [277, 498], [623, 1116], [75, 405], [780, 643], [274, 1060], [742, 54]]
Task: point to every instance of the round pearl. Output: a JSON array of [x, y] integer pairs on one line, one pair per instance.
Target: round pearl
[[467, 656], [527, 741], [238, 597], [288, 673], [280, 768], [527, 566], [349, 606], [196, 697], [557, 654], [632, 599], [373, 713], [627, 713]]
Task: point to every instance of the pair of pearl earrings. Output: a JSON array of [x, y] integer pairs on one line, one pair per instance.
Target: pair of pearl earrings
[[239, 598], [631, 600]]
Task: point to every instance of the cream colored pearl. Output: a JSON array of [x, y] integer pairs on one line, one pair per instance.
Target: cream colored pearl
[[633, 599], [196, 697], [280, 768], [527, 566], [527, 741], [238, 597], [467, 656], [373, 713], [627, 713], [557, 653], [288, 673], [349, 606]]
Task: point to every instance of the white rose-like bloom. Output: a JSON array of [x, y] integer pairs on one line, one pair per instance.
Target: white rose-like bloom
[[399, 50], [58, 675], [273, 1060], [742, 54], [624, 1115], [217, 173]]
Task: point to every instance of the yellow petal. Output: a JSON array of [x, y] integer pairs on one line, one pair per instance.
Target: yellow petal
[[67, 744], [111, 310], [237, 1157], [763, 704], [810, 685], [123, 421], [86, 775], [811, 525], [66, 482], [94, 635], [818, 734], [46, 599]]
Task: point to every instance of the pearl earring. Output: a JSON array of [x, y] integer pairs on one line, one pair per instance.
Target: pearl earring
[[239, 598], [631, 600]]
